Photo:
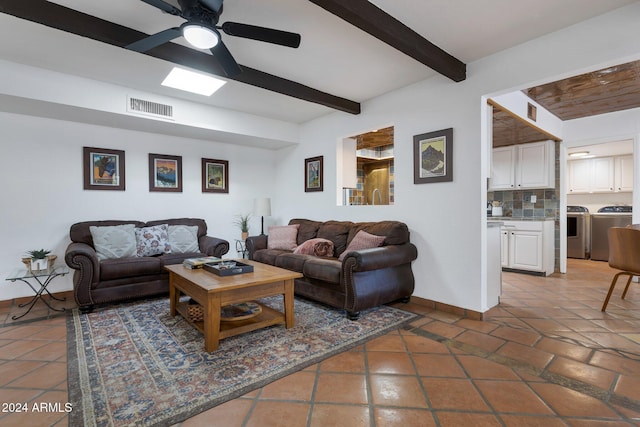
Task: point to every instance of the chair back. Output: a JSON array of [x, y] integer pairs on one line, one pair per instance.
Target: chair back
[[624, 249]]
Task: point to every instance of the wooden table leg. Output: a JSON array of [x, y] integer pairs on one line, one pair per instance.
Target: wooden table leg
[[212, 323], [174, 296], [288, 304]]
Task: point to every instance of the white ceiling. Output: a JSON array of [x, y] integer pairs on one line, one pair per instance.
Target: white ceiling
[[333, 57]]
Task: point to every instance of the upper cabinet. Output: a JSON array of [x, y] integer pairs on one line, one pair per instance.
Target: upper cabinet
[[524, 166], [601, 175]]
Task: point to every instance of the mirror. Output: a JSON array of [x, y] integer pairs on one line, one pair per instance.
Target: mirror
[[374, 168]]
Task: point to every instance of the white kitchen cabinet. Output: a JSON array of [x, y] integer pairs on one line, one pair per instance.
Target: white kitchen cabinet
[[528, 246], [523, 166], [601, 175], [624, 173]]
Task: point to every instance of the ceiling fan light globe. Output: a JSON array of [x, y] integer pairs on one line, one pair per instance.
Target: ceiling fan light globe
[[200, 36]]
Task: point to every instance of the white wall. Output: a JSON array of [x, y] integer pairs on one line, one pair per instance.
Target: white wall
[[42, 192], [447, 220]]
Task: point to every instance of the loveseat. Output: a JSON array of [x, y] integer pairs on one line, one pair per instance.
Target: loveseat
[[343, 277], [110, 270]]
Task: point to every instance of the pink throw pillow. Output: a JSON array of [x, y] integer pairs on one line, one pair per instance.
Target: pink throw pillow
[[362, 240], [317, 246], [283, 237]]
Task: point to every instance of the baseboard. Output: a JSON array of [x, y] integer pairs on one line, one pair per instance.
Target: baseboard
[[438, 306]]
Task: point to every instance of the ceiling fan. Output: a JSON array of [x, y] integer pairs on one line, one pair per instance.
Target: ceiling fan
[[201, 31]]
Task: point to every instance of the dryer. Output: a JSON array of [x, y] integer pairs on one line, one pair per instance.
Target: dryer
[[578, 232], [606, 217]]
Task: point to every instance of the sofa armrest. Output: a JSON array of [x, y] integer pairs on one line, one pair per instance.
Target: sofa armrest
[[254, 243], [84, 259], [382, 257], [212, 246]]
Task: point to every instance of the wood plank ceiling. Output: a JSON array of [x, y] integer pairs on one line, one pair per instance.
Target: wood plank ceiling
[[603, 91], [607, 90]]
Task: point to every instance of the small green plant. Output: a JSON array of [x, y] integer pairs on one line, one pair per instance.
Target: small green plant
[[242, 221], [38, 253]]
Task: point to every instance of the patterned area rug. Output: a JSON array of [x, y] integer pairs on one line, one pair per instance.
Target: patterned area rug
[[135, 365]]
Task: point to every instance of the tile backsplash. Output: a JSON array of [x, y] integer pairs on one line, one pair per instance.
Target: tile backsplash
[[517, 203]]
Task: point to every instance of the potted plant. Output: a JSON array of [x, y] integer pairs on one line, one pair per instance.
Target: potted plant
[[39, 259], [242, 221]]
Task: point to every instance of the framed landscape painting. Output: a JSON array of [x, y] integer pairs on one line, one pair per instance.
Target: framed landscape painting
[[215, 176], [103, 169], [165, 173], [433, 157], [313, 174]]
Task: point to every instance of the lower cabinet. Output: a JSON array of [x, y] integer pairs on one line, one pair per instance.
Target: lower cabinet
[[528, 246]]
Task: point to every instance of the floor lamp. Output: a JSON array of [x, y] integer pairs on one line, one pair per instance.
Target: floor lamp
[[262, 207]]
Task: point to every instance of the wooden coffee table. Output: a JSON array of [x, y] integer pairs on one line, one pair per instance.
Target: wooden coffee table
[[213, 292]]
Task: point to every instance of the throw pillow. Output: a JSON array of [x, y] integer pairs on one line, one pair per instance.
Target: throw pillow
[[183, 239], [152, 240], [316, 246], [283, 237], [116, 241], [362, 240]]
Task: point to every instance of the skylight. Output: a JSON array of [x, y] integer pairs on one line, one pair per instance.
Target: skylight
[[190, 81]]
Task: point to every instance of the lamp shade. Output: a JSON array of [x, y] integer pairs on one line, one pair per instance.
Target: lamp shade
[[262, 206]]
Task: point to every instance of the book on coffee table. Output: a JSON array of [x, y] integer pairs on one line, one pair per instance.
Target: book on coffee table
[[199, 262]]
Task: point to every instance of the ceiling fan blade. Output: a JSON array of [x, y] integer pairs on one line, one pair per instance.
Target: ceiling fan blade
[[164, 6], [283, 38], [154, 40], [225, 59]]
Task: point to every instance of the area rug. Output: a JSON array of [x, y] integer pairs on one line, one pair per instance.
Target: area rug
[[135, 365]]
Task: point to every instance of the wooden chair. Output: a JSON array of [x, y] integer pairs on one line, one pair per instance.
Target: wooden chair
[[624, 254]]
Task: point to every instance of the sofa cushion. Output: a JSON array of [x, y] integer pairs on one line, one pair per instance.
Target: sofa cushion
[[283, 237], [268, 256], [153, 240], [395, 232], [116, 241], [183, 238], [177, 258], [293, 262], [308, 229], [317, 247], [111, 269], [198, 222], [337, 232], [325, 269], [363, 240]]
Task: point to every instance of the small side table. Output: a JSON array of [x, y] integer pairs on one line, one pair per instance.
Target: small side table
[[241, 248], [42, 279]]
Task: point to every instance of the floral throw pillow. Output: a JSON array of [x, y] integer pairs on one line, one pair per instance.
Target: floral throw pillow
[[362, 240], [316, 246], [283, 237], [153, 240]]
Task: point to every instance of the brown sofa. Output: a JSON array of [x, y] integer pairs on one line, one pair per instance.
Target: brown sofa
[[362, 279], [98, 281]]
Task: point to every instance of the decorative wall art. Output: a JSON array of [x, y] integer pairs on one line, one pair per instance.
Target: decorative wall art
[[433, 157], [103, 169], [313, 174], [165, 173], [215, 176]]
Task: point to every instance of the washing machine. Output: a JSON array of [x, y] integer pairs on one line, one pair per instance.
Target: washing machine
[[578, 232], [606, 217]]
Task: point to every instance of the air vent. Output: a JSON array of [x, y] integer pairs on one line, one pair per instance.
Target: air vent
[[150, 108]]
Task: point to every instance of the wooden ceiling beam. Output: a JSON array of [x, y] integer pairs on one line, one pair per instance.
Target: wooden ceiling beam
[[373, 20], [75, 22]]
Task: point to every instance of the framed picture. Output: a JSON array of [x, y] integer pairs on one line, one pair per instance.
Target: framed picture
[[103, 169], [433, 157], [313, 174], [215, 176], [165, 173]]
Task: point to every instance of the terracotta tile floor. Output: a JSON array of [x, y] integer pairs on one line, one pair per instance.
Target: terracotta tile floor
[[546, 356]]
